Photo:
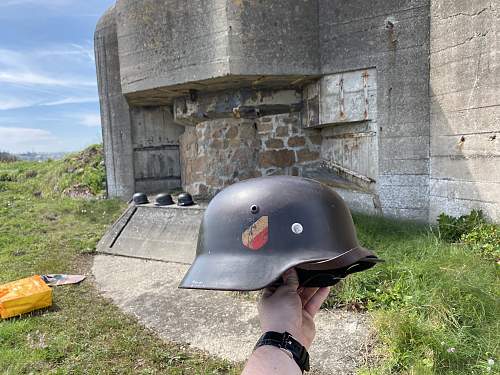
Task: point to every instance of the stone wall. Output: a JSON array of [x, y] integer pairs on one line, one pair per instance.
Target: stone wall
[[217, 153], [465, 107]]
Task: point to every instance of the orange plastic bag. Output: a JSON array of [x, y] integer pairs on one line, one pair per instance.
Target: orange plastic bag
[[22, 296]]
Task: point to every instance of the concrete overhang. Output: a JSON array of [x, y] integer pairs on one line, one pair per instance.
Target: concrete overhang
[[170, 48]]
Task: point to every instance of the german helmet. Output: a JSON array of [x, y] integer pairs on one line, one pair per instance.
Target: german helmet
[[255, 230], [140, 198], [185, 199], [163, 199]]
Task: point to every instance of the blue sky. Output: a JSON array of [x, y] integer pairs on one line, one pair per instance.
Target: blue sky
[[48, 88]]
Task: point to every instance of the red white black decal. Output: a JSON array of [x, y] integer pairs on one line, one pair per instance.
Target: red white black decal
[[257, 234]]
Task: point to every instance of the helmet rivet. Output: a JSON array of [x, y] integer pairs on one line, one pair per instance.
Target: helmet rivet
[[297, 228], [254, 209]]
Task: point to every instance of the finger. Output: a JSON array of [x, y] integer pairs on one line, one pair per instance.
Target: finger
[[268, 292], [314, 304], [306, 294], [291, 279]]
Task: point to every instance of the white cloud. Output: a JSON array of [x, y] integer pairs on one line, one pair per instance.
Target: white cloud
[[14, 103], [18, 140], [30, 78], [39, 67], [11, 102], [92, 120], [72, 100]]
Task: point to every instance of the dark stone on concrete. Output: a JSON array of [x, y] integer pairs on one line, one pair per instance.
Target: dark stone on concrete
[[281, 158]]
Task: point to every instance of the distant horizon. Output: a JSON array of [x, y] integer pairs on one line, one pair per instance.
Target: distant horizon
[[46, 152]]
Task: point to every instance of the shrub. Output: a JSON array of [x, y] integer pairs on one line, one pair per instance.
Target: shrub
[[472, 231], [451, 229]]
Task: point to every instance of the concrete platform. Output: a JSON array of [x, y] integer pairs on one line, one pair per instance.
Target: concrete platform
[[168, 233], [218, 322]]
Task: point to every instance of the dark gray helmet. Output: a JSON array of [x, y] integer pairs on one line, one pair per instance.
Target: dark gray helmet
[[163, 199], [185, 199], [140, 198], [255, 230]]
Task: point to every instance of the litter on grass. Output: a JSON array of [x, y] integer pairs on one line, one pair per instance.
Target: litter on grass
[[58, 279], [25, 295]]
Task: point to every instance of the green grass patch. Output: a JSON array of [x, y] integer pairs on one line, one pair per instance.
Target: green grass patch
[[42, 230], [435, 304]]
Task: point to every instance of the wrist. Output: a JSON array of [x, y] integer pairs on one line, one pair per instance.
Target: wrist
[[286, 343], [282, 327], [294, 333]]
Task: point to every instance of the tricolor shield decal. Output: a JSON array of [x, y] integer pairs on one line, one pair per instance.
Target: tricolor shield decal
[[257, 234]]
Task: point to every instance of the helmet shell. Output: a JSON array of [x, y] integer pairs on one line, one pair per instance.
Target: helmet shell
[[185, 199], [164, 199], [255, 230], [140, 198]]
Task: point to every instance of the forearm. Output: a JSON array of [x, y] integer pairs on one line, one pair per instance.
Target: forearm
[[270, 360]]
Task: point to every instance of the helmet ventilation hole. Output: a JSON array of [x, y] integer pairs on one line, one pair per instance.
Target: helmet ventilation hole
[[254, 209]]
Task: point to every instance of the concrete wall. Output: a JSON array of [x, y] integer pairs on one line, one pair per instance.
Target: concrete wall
[[168, 42], [392, 37], [465, 107], [115, 116], [174, 42], [341, 91], [141, 143], [273, 37]]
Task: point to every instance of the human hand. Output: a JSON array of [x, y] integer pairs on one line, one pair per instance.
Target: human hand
[[291, 309]]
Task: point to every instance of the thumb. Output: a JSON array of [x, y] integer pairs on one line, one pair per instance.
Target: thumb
[[291, 279]]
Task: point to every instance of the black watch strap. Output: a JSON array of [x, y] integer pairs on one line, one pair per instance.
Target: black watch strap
[[287, 342]]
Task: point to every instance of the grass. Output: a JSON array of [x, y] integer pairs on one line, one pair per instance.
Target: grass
[[42, 230], [435, 305]]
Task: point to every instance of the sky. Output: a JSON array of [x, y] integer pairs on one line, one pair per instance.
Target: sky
[[48, 87]]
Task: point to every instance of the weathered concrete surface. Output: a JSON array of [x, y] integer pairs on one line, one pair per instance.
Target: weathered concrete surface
[[217, 322], [431, 138], [167, 43], [393, 37], [465, 107], [168, 233], [115, 115]]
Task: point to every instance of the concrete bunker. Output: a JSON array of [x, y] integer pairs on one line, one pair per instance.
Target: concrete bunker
[[202, 94]]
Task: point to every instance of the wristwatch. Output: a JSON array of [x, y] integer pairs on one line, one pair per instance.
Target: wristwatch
[[287, 342]]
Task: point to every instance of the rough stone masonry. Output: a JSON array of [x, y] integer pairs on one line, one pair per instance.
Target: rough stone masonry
[[394, 104]]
